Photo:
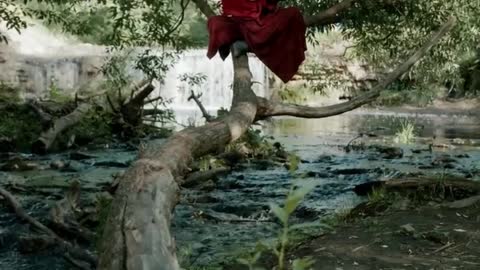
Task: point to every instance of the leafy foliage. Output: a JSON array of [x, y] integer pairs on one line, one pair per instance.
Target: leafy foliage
[[384, 31]]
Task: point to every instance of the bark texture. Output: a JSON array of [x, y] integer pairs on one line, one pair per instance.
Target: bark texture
[[137, 234], [47, 138]]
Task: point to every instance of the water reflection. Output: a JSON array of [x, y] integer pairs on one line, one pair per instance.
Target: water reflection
[[466, 127]]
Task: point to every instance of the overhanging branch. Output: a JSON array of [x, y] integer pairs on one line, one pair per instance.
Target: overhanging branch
[[204, 7], [330, 15], [267, 108]]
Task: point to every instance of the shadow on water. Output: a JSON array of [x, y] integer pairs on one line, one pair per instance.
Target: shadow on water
[[213, 224]]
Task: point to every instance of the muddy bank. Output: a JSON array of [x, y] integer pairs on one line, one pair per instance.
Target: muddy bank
[[393, 231]]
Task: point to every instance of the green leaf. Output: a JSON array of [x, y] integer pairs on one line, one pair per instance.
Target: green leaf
[[302, 264], [294, 198], [293, 160], [243, 261], [279, 213]]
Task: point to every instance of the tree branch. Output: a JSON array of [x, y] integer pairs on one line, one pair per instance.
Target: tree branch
[[267, 108], [137, 233], [204, 7], [66, 246], [195, 98], [330, 15]]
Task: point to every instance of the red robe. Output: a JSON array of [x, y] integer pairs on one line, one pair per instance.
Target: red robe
[[275, 35]]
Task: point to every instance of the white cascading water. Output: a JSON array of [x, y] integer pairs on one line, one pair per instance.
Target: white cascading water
[[62, 55]]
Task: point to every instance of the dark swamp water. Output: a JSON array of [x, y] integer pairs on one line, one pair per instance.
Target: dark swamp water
[[213, 225]]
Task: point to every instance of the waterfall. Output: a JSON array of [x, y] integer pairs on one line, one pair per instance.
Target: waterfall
[[37, 56], [217, 89]]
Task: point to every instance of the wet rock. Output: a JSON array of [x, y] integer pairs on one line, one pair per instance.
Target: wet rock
[[323, 159], [419, 151], [18, 164], [426, 167], [263, 164], [240, 209], [115, 164], [220, 217], [350, 171], [365, 188], [307, 213], [444, 161], [7, 145], [281, 155], [208, 186], [436, 237], [206, 199], [232, 158], [388, 152], [81, 156], [58, 164], [231, 185], [462, 156], [459, 141], [408, 228]]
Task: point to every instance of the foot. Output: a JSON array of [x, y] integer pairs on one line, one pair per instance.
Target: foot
[[239, 48]]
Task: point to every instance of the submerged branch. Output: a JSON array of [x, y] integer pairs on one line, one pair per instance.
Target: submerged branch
[[64, 245]]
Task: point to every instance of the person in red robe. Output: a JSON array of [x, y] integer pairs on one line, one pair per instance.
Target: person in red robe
[[275, 35]]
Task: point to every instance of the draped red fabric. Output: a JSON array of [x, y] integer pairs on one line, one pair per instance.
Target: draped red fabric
[[275, 35]]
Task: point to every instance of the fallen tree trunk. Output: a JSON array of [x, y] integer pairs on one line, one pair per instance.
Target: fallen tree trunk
[[137, 234], [47, 138]]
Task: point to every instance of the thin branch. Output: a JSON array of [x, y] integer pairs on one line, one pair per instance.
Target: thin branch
[[267, 108], [68, 247], [205, 114], [330, 15], [153, 100], [142, 95]]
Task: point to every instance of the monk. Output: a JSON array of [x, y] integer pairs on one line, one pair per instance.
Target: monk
[[275, 35]]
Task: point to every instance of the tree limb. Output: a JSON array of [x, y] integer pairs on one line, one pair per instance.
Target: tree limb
[[204, 7], [205, 114], [330, 15], [268, 108], [47, 138], [137, 233], [68, 247]]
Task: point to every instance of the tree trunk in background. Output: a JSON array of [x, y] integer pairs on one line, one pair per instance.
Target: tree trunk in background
[[47, 138]]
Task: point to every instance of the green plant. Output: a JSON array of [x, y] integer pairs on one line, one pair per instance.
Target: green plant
[[8, 93], [295, 196], [377, 195], [56, 94], [102, 205], [406, 135]]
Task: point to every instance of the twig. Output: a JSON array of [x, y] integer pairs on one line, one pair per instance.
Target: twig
[[446, 246], [68, 247], [205, 114]]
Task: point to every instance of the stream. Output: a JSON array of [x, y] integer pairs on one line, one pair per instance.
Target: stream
[[214, 224]]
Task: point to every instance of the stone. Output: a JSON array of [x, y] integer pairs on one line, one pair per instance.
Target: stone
[[408, 228], [80, 156]]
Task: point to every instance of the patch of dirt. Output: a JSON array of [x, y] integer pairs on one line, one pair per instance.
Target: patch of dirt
[[432, 236]]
